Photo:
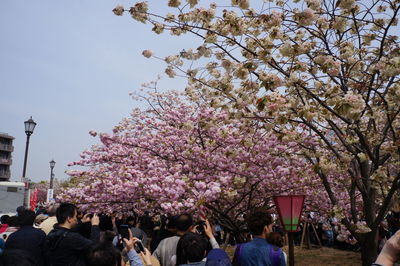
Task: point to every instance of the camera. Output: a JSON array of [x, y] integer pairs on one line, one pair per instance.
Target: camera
[[201, 227]]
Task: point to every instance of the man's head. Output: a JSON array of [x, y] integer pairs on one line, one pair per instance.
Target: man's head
[[4, 219], [26, 218], [131, 221], [184, 222], [260, 222], [193, 247], [20, 209], [67, 215]]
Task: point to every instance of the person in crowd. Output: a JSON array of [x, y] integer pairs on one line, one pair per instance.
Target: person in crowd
[[2, 246], [104, 255], [39, 219], [191, 250], [48, 224], [28, 239], [146, 224], [66, 247], [4, 223], [134, 259], [276, 239], [13, 226], [19, 210], [326, 226], [218, 257], [166, 250], [218, 230], [136, 231], [390, 252], [169, 231], [259, 251], [193, 246]]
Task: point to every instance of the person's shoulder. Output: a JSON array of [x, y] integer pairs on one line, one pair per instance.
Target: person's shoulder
[[170, 239], [38, 231]]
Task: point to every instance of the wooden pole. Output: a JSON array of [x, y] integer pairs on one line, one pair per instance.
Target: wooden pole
[[316, 234], [291, 249], [303, 234]]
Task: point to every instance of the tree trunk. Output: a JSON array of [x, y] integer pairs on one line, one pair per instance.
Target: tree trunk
[[369, 249]]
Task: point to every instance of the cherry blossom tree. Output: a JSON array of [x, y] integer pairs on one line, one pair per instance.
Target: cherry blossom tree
[[178, 156], [326, 68]]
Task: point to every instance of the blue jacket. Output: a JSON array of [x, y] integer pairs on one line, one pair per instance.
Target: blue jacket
[[258, 253]]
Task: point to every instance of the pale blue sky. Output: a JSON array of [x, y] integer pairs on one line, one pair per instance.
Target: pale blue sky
[[70, 65]]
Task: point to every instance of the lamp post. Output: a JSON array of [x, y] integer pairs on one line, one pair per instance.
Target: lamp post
[[50, 190], [289, 209], [52, 164], [29, 127]]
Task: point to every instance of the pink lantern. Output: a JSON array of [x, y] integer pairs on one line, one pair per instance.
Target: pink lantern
[[289, 209]]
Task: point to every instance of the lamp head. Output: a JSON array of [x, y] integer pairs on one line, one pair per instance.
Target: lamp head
[[29, 126]]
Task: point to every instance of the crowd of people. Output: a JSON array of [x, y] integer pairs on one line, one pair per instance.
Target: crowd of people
[[62, 235]]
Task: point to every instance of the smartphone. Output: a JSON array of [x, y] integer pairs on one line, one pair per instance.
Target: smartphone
[[124, 231], [139, 244]]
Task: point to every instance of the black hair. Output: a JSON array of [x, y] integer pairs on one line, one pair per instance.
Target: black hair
[[13, 221], [171, 222], [20, 209], [64, 211], [26, 217], [183, 222], [104, 254], [191, 248], [4, 219], [257, 220], [276, 239], [131, 219], [105, 223]]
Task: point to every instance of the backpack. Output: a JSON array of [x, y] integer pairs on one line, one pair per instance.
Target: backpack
[[275, 254]]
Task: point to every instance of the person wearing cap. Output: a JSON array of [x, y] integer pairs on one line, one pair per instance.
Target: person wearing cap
[[39, 220], [48, 224]]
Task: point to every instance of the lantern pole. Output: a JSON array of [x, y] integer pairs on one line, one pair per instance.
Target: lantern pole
[[289, 208], [291, 249]]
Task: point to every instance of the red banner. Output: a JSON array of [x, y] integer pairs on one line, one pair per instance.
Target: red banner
[[33, 199]]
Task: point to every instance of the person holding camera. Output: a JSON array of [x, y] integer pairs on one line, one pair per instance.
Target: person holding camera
[[66, 247], [192, 248], [166, 250], [134, 259]]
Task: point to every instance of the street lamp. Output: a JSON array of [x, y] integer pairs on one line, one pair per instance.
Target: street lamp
[[52, 164], [289, 209], [29, 127], [50, 190]]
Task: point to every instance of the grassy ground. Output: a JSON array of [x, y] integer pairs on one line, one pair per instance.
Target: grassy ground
[[325, 257], [321, 257]]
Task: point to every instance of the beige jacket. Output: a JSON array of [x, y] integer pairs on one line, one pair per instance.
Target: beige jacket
[[48, 224]]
